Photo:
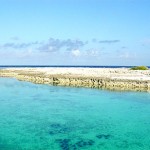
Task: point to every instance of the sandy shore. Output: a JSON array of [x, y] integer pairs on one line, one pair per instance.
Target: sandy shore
[[110, 78]]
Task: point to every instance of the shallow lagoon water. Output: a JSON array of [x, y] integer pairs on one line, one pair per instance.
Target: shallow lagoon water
[[43, 117]]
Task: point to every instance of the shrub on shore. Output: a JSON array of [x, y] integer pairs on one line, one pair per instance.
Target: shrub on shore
[[140, 68]]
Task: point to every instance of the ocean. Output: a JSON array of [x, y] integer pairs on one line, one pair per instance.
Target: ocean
[[61, 66], [44, 117]]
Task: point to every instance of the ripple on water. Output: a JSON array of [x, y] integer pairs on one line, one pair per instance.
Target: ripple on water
[[42, 117]]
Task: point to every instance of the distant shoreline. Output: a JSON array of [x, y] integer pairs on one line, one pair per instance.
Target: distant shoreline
[[107, 78], [62, 66]]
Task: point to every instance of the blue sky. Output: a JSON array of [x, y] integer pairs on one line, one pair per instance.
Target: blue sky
[[75, 32]]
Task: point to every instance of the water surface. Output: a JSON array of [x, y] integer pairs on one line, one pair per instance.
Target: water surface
[[43, 117]]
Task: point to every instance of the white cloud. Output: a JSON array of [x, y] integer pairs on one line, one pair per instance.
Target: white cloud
[[76, 53], [85, 53]]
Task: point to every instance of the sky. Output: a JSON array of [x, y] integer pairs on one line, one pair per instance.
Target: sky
[[75, 32]]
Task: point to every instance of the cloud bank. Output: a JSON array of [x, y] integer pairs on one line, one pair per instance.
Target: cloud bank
[[109, 41], [56, 51]]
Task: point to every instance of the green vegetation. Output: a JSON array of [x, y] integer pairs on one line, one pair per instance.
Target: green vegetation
[[139, 68]]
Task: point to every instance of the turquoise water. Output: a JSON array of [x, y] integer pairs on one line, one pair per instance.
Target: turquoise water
[[42, 117]]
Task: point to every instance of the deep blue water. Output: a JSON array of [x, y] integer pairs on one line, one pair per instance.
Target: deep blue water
[[61, 66]]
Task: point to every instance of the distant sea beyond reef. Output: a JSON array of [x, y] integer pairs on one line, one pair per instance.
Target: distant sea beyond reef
[[60, 66]]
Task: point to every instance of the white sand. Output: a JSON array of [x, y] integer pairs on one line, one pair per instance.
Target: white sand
[[112, 73]]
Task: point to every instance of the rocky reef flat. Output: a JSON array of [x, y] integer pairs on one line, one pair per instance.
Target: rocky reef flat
[[105, 78]]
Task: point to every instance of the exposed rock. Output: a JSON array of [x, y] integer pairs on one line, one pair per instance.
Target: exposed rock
[[112, 79]]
